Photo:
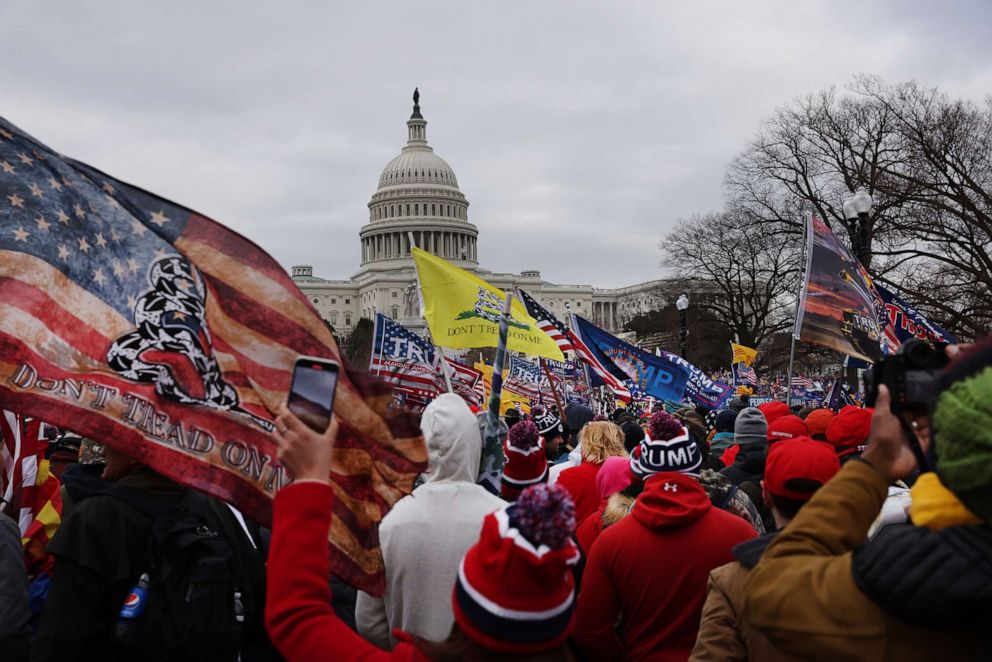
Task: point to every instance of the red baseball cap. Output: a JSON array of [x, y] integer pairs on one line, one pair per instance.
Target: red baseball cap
[[774, 410], [787, 427], [801, 459], [818, 420], [849, 430]]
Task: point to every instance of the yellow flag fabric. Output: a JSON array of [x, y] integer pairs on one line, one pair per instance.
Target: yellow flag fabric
[[508, 398], [742, 354], [463, 311]]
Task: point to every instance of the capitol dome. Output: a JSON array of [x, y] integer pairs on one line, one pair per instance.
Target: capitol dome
[[418, 196], [420, 166]]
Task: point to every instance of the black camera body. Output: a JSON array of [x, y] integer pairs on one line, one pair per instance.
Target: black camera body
[[909, 375]]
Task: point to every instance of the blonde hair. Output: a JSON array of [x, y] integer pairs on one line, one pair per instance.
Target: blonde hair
[[600, 440]]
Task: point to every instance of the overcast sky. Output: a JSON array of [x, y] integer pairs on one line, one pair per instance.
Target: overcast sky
[[579, 131]]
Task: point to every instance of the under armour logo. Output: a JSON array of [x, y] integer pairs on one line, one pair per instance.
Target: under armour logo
[[671, 487]]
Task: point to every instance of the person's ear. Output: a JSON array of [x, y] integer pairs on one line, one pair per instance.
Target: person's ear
[[766, 496]]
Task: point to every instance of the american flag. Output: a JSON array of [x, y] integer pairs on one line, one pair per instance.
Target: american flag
[[403, 359], [525, 378], [803, 382], [31, 493], [137, 322], [569, 342], [746, 374], [466, 381]]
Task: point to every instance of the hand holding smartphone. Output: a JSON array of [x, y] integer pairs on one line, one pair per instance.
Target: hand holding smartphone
[[311, 392]]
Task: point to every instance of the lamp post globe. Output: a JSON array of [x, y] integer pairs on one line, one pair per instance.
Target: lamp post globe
[[682, 304]]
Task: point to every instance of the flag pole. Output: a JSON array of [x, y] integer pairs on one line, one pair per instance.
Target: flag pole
[[551, 383], [492, 452], [800, 300], [445, 368]]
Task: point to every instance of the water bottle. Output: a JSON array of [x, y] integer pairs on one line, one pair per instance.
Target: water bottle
[[126, 630]]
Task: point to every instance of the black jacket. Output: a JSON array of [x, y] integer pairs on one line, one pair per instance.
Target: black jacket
[[101, 549], [933, 578], [14, 610], [748, 465]]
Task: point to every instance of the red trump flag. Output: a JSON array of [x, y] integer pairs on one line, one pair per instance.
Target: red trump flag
[[130, 319]]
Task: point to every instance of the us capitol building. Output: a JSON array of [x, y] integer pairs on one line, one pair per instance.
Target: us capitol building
[[418, 196]]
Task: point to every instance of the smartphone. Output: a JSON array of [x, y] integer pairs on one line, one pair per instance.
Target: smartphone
[[311, 394]]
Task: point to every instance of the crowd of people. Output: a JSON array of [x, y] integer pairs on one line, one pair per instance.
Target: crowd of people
[[745, 533]]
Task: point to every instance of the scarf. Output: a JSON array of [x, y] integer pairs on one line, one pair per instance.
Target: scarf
[[935, 507]]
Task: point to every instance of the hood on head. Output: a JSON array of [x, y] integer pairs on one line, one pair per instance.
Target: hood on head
[[454, 445], [576, 416], [671, 499]]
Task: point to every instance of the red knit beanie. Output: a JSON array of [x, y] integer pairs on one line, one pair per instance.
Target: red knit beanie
[[526, 463], [774, 410], [515, 592], [849, 430]]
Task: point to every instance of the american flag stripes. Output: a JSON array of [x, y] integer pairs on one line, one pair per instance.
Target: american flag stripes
[[803, 383], [568, 341], [403, 359], [466, 381], [137, 322], [745, 374], [31, 493]]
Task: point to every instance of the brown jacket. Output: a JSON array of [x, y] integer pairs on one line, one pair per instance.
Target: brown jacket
[[802, 593], [723, 634]]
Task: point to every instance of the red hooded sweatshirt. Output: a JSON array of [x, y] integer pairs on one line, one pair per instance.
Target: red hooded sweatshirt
[[298, 614], [580, 482], [650, 570]]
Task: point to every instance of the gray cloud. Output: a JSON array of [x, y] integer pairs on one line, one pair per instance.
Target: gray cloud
[[579, 131]]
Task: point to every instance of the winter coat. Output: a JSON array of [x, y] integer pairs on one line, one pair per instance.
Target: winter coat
[[100, 551], [723, 634], [734, 499], [611, 510], [649, 571], [14, 610], [425, 535], [573, 459], [749, 464], [804, 596], [580, 482], [298, 613]]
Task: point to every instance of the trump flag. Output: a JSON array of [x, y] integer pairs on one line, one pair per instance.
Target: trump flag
[[135, 321]]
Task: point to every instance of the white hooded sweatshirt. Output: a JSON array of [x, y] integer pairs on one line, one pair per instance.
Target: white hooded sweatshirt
[[425, 535]]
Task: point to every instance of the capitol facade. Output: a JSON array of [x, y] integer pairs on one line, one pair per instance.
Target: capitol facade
[[418, 199]]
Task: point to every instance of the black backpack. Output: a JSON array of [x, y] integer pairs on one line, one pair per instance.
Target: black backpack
[[195, 604]]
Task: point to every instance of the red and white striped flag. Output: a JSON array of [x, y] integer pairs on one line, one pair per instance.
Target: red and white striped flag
[[568, 341], [134, 321]]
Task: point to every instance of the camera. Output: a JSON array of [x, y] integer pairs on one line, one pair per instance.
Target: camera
[[909, 375]]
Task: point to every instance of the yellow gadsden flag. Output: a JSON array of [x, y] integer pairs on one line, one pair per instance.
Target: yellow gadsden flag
[[463, 311], [743, 354]]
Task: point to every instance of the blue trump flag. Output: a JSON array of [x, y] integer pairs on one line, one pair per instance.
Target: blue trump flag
[[656, 376], [699, 388], [903, 322]]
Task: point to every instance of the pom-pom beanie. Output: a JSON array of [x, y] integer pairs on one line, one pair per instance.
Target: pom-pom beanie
[[515, 593]]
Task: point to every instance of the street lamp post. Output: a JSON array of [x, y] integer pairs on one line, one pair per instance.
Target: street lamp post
[[682, 305], [857, 207]]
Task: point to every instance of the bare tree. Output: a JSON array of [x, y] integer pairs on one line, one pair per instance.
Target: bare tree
[[927, 162], [752, 272]]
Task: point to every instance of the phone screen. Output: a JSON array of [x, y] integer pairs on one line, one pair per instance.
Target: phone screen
[[311, 396]]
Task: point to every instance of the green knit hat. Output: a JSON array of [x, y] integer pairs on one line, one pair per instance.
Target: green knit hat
[[963, 430]]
